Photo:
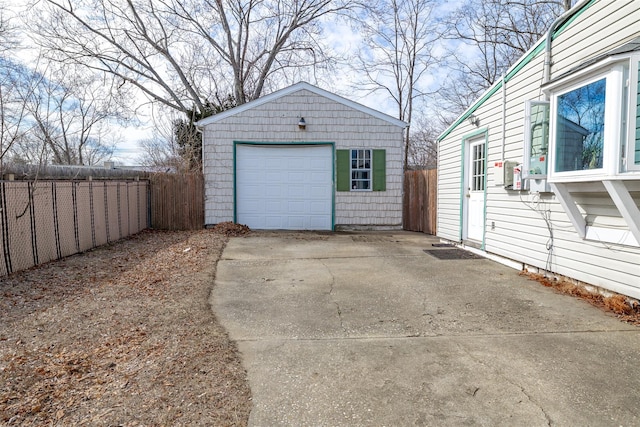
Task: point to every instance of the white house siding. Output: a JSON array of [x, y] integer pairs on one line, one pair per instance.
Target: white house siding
[[520, 232], [327, 121]]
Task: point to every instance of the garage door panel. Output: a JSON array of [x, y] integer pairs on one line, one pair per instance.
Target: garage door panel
[[273, 207], [297, 192], [252, 192], [297, 208], [319, 176], [319, 164], [270, 176], [294, 163], [273, 223], [273, 164], [320, 223], [284, 187], [297, 177], [272, 191], [250, 175], [319, 208], [318, 191], [296, 222]]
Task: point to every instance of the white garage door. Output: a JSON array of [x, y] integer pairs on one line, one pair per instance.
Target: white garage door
[[284, 187]]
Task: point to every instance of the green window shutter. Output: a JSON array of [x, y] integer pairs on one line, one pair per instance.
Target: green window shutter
[[343, 170], [379, 170]]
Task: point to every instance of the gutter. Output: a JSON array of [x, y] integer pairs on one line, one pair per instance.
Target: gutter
[[535, 50], [549, 37]]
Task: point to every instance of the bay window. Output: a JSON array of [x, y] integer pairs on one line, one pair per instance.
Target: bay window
[[594, 122]]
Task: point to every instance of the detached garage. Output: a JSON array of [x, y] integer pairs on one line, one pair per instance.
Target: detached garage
[[303, 158]]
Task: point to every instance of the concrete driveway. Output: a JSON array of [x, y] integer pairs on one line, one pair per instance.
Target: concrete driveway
[[366, 329]]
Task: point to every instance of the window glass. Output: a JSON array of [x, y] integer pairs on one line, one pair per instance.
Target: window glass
[[361, 169], [478, 169], [539, 138], [580, 128]]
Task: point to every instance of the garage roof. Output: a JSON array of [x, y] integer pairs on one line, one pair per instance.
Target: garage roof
[[294, 88]]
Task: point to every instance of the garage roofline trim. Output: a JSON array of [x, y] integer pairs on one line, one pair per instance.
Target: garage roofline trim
[[295, 88], [286, 144]]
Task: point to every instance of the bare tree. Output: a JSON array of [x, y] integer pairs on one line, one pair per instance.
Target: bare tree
[[423, 150], [162, 150], [487, 37], [15, 84], [7, 31], [12, 111], [180, 52], [69, 115], [399, 39]]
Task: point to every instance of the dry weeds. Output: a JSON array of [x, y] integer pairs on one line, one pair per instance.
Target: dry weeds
[[624, 308], [120, 335]]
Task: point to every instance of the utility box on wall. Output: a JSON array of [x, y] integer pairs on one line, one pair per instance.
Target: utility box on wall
[[503, 173], [539, 186], [516, 183]]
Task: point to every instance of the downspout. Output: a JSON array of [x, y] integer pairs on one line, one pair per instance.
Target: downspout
[[504, 114], [549, 39], [200, 130]]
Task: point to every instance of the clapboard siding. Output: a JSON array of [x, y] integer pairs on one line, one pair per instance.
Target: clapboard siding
[[600, 28], [514, 223]]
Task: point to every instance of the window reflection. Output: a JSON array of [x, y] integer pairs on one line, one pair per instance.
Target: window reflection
[[580, 128]]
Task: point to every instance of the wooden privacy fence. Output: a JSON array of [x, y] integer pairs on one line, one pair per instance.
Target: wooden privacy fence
[[177, 201], [45, 220], [419, 207]]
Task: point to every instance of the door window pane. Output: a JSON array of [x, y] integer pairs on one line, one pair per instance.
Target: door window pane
[[477, 168]]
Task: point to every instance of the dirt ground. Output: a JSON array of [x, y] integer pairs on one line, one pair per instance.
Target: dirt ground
[[120, 335]]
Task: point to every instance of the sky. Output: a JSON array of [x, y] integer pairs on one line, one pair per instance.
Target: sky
[[345, 41], [341, 37]]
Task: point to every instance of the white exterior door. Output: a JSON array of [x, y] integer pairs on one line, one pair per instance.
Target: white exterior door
[[475, 189], [284, 187]]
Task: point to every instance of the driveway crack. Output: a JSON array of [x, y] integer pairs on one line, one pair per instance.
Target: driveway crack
[[510, 381], [522, 389], [335, 302]]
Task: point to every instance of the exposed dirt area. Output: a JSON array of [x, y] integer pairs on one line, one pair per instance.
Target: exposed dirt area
[[624, 308], [120, 335]]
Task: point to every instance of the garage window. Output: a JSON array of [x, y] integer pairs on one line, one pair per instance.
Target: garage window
[[361, 169]]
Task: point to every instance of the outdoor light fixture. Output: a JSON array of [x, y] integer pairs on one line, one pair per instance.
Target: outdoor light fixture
[[474, 120], [302, 124]]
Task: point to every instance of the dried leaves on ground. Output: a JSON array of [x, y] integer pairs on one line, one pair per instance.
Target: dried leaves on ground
[[120, 335], [624, 308], [231, 229]]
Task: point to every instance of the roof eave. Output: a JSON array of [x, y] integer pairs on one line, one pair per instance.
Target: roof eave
[[294, 88]]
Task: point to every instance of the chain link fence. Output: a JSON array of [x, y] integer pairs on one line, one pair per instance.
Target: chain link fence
[[46, 220]]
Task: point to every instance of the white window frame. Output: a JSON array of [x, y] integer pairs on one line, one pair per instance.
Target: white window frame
[[633, 91], [352, 169], [528, 135], [619, 138]]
